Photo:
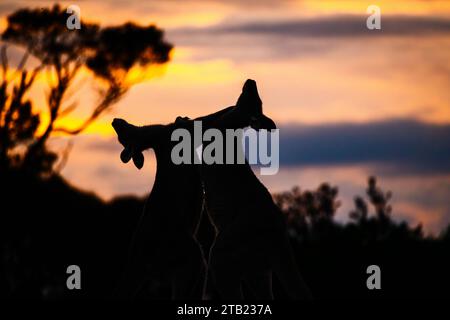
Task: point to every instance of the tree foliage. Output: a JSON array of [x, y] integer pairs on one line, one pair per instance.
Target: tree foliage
[[108, 52]]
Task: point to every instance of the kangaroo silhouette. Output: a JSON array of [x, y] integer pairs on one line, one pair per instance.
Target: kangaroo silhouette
[[252, 241], [164, 247]]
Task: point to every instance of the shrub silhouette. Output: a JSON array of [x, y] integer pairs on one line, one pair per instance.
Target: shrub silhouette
[[59, 225]]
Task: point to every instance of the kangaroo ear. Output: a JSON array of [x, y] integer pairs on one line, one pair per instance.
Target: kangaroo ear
[[138, 160], [250, 86], [249, 99], [126, 154]]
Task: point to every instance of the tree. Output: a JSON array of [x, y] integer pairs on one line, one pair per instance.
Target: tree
[[379, 199], [307, 209], [18, 123], [108, 52]]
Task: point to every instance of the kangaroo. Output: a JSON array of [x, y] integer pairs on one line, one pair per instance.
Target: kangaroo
[[252, 241], [164, 247]]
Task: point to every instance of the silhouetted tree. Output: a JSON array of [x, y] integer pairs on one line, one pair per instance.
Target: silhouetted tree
[[361, 210], [109, 53], [18, 122], [445, 235], [291, 203], [379, 199], [327, 202], [309, 210]]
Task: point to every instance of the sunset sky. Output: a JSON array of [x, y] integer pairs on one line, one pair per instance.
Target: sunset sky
[[350, 102]]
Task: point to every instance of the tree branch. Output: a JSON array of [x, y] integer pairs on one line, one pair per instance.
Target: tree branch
[[114, 93]]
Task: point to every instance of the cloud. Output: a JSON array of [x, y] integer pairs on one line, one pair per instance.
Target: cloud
[[268, 39], [329, 26], [395, 146], [399, 145]]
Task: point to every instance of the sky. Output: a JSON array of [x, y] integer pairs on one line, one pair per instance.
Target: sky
[[350, 102]]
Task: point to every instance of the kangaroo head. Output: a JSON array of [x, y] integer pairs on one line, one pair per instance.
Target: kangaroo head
[[126, 134], [250, 102]]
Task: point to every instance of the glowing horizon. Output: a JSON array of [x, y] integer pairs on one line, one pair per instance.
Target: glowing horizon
[[325, 78]]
